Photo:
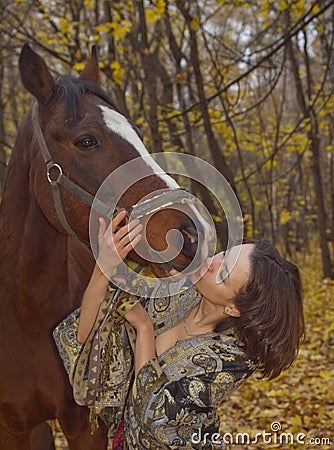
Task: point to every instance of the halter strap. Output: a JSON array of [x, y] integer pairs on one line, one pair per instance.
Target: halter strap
[[61, 178]]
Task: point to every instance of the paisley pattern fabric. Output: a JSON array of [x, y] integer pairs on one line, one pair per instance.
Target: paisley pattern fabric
[[174, 398], [177, 395]]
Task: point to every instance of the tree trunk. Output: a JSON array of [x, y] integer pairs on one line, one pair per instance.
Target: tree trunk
[[215, 150], [313, 137]]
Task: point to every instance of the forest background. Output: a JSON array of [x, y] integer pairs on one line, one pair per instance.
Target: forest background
[[248, 87]]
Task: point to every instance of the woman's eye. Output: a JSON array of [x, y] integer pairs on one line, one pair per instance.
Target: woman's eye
[[223, 274], [87, 143]]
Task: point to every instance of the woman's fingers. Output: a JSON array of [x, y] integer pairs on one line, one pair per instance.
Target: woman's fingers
[[117, 244], [126, 229], [128, 242], [115, 222], [131, 235], [132, 243]]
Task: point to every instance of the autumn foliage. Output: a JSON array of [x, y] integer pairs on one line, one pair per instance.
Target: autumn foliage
[[247, 86]]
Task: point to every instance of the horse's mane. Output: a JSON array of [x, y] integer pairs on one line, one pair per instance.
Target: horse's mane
[[71, 90]]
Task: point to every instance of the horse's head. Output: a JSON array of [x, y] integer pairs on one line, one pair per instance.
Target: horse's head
[[82, 138]]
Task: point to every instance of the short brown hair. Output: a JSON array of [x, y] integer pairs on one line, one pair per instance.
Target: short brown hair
[[271, 324]]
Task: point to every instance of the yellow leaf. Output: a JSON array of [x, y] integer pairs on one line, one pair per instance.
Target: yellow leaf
[[270, 163], [285, 217], [216, 219], [121, 29], [316, 9], [79, 66], [104, 28], [115, 65], [195, 24], [64, 26], [160, 7], [325, 375], [150, 16], [118, 72], [328, 331], [296, 420], [283, 5]]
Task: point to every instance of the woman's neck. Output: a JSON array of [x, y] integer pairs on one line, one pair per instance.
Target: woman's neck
[[206, 315]]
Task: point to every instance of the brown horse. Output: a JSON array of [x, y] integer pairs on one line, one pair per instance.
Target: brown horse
[[44, 270]]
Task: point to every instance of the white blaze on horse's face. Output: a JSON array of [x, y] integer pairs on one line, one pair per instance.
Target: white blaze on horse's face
[[120, 125]]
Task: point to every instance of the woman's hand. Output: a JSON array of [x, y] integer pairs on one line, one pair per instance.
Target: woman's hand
[[138, 317], [113, 248], [115, 245]]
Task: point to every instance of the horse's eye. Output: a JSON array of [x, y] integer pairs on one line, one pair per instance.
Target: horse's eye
[[87, 143]]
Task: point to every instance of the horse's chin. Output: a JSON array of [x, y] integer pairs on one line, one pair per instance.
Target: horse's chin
[[163, 269], [158, 270]]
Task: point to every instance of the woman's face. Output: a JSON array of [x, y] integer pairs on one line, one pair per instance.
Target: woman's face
[[222, 276]]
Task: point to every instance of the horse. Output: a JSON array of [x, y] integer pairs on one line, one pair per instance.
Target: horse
[[70, 138]]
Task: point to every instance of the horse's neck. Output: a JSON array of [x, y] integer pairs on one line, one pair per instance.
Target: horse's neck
[[22, 222], [16, 196], [37, 276]]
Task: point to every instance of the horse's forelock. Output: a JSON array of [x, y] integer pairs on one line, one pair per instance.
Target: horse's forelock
[[72, 89]]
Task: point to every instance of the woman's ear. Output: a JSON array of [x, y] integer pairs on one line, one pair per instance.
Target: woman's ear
[[232, 311]]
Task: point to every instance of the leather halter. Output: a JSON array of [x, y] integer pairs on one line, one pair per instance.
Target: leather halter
[[141, 209]]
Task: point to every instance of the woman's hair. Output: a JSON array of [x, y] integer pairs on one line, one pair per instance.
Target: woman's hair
[[271, 324]]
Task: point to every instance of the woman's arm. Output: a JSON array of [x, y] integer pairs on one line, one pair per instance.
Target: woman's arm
[[92, 298], [145, 339], [113, 248]]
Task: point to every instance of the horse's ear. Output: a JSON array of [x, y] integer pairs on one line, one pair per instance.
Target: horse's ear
[[35, 75], [91, 71]]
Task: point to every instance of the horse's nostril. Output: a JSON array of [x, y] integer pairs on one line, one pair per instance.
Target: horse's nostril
[[192, 235], [190, 242]]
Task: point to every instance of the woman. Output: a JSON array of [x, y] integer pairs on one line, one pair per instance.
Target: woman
[[190, 351]]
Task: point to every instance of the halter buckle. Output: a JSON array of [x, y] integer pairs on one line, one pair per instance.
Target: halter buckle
[[49, 168]]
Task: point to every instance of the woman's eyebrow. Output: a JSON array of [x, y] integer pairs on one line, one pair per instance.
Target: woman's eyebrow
[[223, 268]]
